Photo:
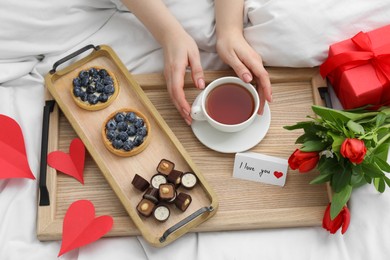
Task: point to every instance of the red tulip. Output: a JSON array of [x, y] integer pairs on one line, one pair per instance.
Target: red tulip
[[341, 220], [303, 161], [353, 149]]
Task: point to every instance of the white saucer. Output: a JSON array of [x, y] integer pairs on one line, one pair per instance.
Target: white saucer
[[233, 142]]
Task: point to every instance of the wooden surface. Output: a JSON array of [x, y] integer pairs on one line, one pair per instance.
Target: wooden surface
[[119, 171], [242, 204]]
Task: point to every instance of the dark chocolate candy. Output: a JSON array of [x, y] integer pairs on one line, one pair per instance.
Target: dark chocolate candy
[[151, 194], [145, 207], [140, 183], [167, 191], [175, 177], [182, 201], [165, 166]]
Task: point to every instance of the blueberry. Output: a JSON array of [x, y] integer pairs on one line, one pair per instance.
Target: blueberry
[[122, 136], [77, 82], [103, 98], [131, 117], [117, 144], [131, 130], [111, 135], [90, 89], [109, 89], [139, 122], [77, 91], [103, 73], [128, 145], [108, 80], [84, 74], [142, 131], [83, 96], [119, 117], [111, 125], [93, 99], [99, 87], [122, 126], [84, 81], [138, 140], [93, 72]]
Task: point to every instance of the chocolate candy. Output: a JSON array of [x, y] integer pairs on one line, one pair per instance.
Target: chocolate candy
[[175, 177], [165, 166], [152, 194], [161, 213], [140, 183], [145, 207], [182, 201], [158, 179], [188, 180], [167, 191]]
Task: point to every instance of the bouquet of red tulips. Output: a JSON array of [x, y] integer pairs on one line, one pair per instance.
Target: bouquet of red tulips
[[349, 149]]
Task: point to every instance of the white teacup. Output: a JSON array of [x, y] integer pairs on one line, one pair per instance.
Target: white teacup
[[230, 108]]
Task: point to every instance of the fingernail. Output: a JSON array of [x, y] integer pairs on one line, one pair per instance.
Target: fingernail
[[247, 77], [186, 112], [188, 122], [201, 84]]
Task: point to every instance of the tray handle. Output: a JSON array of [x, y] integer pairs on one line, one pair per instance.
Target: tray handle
[[44, 193], [72, 55], [184, 222]]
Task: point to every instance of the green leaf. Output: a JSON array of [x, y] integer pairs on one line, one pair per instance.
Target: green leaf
[[341, 178], [339, 200], [381, 151], [299, 125], [380, 119], [372, 170], [322, 178], [313, 146], [387, 180], [382, 164], [355, 127], [357, 176], [337, 141], [380, 184], [333, 114], [367, 178]]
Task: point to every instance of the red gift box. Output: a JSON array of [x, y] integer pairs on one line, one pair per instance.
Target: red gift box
[[359, 69]]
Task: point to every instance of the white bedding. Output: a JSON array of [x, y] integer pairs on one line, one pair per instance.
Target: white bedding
[[36, 33]]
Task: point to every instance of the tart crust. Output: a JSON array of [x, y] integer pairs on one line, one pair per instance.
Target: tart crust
[[135, 150], [99, 105]]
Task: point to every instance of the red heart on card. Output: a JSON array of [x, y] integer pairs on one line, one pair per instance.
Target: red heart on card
[[278, 174], [80, 226], [71, 163], [13, 157]]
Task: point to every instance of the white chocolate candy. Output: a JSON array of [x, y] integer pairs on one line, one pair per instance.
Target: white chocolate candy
[[157, 180], [188, 180], [161, 213]]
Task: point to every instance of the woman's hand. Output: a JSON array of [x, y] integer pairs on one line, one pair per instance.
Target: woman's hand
[[235, 51], [180, 53]]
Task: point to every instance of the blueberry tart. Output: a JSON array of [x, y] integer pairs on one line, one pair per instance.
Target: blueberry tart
[[94, 88], [126, 132]]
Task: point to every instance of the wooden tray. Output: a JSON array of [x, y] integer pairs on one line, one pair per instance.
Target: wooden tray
[[119, 171], [242, 204]]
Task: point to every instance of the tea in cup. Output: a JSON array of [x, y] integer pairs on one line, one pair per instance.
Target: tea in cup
[[228, 104]]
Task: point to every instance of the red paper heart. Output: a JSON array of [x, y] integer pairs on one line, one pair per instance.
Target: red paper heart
[[71, 163], [80, 226], [13, 157], [278, 174]]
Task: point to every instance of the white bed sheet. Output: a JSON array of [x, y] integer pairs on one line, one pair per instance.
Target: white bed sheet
[[36, 33]]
